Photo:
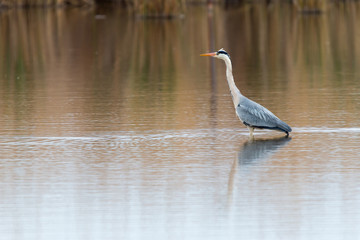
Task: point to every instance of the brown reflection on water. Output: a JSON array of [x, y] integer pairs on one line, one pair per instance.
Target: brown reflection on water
[[113, 127], [82, 63]]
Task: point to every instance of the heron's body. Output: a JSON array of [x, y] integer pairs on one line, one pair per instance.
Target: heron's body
[[252, 114]]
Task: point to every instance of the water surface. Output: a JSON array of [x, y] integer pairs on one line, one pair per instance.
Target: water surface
[[115, 128]]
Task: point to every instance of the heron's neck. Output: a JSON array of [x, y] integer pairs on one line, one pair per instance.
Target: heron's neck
[[235, 92]]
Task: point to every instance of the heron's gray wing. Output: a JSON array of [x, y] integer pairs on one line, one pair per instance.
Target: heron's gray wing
[[253, 114]]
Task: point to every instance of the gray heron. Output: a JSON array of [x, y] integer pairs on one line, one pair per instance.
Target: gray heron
[[250, 113]]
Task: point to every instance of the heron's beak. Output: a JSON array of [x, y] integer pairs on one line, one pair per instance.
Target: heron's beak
[[208, 54]]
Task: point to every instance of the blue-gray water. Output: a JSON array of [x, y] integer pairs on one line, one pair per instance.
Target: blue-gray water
[[116, 128]]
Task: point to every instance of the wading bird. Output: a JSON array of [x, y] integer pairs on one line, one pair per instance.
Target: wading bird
[[252, 114]]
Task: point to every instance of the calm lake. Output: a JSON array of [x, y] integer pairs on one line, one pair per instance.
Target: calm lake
[[115, 128]]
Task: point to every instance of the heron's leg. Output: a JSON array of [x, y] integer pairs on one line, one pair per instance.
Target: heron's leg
[[251, 130]]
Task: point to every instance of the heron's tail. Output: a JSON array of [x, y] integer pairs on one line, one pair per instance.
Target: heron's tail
[[283, 127]]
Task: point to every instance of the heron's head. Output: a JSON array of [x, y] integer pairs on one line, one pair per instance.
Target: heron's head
[[222, 54]]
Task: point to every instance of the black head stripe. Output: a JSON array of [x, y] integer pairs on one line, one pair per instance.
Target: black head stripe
[[222, 52]]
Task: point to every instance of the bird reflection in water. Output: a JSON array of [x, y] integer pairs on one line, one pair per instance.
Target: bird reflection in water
[[256, 150], [252, 152]]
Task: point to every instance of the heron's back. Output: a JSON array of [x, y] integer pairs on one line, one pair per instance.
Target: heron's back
[[257, 116]]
